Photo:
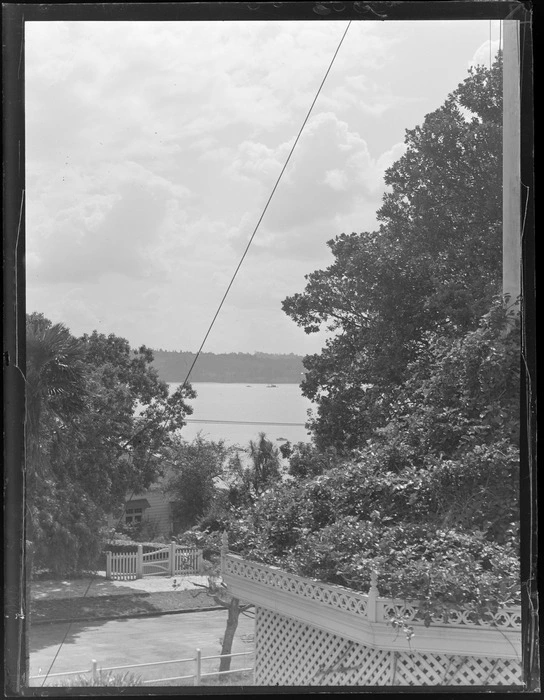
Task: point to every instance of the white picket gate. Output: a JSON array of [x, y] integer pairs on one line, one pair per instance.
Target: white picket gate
[[171, 560]]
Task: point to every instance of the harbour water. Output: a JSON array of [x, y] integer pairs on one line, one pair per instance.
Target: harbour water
[[237, 413]]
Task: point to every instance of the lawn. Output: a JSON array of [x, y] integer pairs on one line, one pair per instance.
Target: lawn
[[113, 606]]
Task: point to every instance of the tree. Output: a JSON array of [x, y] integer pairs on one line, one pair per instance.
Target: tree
[[101, 433], [265, 458], [417, 387], [54, 379], [431, 500], [194, 468], [212, 545], [434, 264]]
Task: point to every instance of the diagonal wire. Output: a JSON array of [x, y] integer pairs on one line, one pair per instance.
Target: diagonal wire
[[266, 205], [226, 292]]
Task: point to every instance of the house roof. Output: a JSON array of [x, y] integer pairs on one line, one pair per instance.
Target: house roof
[[137, 503]]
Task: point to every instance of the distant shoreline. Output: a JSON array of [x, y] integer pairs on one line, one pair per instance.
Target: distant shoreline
[[230, 368], [219, 381]]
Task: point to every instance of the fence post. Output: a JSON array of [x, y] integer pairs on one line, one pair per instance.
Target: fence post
[[198, 666], [108, 564], [198, 561], [94, 670], [172, 558], [373, 597], [140, 561]]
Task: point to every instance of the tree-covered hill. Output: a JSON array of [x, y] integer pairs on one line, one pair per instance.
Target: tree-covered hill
[[259, 367]]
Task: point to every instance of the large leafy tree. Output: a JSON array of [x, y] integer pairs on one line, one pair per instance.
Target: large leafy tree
[[98, 421], [416, 468], [434, 264], [194, 472], [431, 501]]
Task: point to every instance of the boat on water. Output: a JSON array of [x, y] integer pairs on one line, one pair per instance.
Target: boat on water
[[271, 386]]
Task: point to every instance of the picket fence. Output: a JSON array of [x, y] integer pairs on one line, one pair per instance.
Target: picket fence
[[97, 674], [171, 560]]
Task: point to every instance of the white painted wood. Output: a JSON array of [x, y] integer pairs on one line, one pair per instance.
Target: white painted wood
[[511, 161], [344, 612]]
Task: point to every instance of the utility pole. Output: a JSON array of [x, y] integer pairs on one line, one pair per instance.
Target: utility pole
[[511, 194]]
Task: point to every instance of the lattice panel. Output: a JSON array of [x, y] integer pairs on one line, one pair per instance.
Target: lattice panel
[[332, 596], [289, 652], [442, 669], [508, 618]]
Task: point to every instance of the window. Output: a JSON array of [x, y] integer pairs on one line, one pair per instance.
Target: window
[[133, 515]]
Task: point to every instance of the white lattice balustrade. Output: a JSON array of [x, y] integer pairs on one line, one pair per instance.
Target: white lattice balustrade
[[290, 652], [333, 596], [507, 618], [355, 602], [311, 633]]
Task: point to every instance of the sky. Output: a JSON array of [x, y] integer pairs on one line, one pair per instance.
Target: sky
[[152, 148]]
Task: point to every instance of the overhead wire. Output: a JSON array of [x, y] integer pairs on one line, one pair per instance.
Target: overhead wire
[[221, 303]]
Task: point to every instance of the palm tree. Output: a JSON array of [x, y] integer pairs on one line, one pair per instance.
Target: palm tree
[[55, 380], [55, 393], [266, 462]]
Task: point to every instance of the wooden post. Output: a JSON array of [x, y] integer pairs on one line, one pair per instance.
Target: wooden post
[[172, 558], [373, 597], [140, 561], [108, 564], [94, 670], [198, 666], [224, 549], [511, 177]]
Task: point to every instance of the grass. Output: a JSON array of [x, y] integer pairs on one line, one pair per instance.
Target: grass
[[114, 606], [235, 678]]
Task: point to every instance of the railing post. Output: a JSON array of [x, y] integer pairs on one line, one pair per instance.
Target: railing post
[[372, 610], [172, 558], [198, 666], [94, 670], [108, 564], [140, 561], [224, 549]]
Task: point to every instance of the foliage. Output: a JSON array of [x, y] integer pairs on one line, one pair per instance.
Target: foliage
[[443, 570], [208, 541], [193, 470], [431, 267], [111, 679], [431, 501], [305, 460], [99, 420], [265, 459]]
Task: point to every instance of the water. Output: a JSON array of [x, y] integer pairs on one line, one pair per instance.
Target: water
[[237, 413]]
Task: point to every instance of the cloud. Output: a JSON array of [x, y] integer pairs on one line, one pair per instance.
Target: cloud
[[482, 54], [152, 148], [331, 180], [83, 226]]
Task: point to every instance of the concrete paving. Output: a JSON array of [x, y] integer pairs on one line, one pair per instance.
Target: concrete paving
[[99, 585], [137, 641]]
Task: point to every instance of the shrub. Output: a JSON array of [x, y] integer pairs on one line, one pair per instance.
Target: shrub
[[103, 678]]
